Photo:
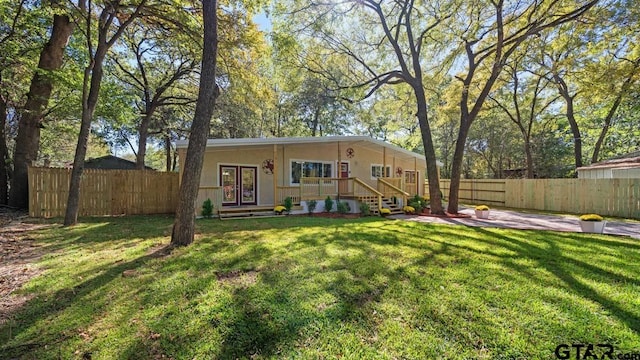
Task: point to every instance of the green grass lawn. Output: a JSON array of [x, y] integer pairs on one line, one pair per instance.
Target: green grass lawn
[[298, 287]]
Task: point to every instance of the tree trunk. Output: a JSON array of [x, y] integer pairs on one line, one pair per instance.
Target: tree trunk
[[88, 108], [435, 197], [563, 90], [575, 130], [316, 117], [4, 154], [28, 138], [529, 154], [184, 226], [143, 134], [167, 149], [174, 166], [456, 166], [612, 111]]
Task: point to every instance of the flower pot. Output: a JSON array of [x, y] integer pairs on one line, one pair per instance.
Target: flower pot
[[596, 227], [482, 214]]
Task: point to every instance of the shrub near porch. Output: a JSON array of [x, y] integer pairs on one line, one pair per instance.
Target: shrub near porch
[[306, 287]]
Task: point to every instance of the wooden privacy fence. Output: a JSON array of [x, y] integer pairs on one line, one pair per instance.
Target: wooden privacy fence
[[487, 191], [103, 192], [609, 197]]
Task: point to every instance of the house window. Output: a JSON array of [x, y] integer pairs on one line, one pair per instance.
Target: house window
[[309, 169], [409, 177], [377, 171]]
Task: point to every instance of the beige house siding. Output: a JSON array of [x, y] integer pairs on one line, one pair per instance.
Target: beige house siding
[[364, 155]]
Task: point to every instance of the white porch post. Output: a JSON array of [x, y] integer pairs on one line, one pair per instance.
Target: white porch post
[[275, 174]]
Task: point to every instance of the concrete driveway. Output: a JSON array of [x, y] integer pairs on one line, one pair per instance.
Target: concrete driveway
[[519, 220]]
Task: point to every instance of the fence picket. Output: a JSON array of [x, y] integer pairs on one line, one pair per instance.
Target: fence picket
[[103, 192], [608, 197]]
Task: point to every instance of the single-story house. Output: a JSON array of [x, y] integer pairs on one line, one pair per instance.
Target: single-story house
[[261, 173], [624, 167]]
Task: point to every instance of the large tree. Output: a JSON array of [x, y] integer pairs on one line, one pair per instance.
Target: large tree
[[390, 48], [490, 34], [113, 20], [28, 139], [184, 225], [155, 70], [595, 65], [521, 97]]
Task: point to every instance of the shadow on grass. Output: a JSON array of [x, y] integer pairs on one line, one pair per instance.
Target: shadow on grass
[[48, 307], [239, 293], [556, 262]]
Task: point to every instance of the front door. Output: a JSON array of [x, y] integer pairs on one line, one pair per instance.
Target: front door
[[343, 186], [411, 182], [239, 185]]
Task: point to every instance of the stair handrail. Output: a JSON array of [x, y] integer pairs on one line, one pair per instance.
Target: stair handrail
[[370, 189], [393, 187], [396, 189]]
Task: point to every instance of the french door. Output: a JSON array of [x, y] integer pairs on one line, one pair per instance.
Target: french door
[[239, 185]]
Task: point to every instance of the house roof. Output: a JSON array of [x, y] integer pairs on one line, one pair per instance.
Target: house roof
[[629, 161], [111, 162], [304, 140]]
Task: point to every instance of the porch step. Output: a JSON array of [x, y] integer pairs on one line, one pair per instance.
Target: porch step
[[246, 215], [386, 204], [249, 212], [395, 209]]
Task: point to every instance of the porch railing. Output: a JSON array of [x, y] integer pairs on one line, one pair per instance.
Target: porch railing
[[390, 190], [395, 181], [364, 190], [294, 192], [317, 188]]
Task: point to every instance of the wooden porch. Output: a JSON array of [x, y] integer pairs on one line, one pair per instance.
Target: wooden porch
[[388, 193]]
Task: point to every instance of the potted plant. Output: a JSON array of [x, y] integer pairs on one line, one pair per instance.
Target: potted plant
[[592, 223], [482, 212], [385, 212], [409, 209], [279, 209]]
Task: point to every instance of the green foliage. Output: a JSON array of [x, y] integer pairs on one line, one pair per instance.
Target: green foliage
[[328, 204], [365, 209], [288, 204], [417, 203], [343, 207], [207, 209], [311, 206]]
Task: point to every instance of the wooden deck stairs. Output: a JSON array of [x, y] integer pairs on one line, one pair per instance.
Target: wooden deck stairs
[[228, 213], [387, 203]]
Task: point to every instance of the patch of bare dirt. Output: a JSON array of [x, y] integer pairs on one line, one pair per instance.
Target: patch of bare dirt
[[238, 277], [18, 253]]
